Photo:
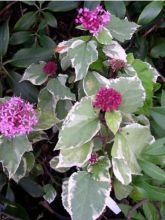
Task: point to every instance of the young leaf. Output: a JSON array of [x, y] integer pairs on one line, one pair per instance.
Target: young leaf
[[80, 125], [93, 196], [104, 37], [20, 37], [50, 19], [121, 191], [157, 148], [11, 152], [4, 38], [82, 54], [113, 120], [121, 30], [150, 12], [117, 8], [34, 73], [50, 193]]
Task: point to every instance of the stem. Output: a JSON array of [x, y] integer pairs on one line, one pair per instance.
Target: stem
[[130, 213]]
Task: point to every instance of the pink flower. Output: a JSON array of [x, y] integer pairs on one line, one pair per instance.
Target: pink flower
[[94, 158], [93, 20], [16, 117], [107, 99], [50, 68], [116, 64]]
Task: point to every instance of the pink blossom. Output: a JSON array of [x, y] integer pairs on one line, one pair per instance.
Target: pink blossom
[[93, 20], [107, 99], [94, 158], [50, 68], [116, 64], [16, 117]]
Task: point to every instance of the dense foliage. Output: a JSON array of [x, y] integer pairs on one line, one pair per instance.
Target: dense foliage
[[82, 110]]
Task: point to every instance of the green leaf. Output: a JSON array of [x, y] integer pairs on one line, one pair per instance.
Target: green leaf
[[121, 191], [128, 145], [82, 54], [31, 187], [20, 37], [100, 170], [146, 76], [21, 171], [11, 152], [115, 51], [152, 170], [4, 38], [34, 73], [104, 37], [150, 211], [163, 98], [91, 4], [93, 196], [116, 8], [150, 12], [46, 41], [26, 21], [158, 114], [157, 148], [158, 50], [135, 215], [46, 110], [50, 193], [121, 30], [24, 89], [151, 192], [50, 19], [113, 120], [82, 123], [76, 156], [62, 6], [27, 56], [58, 88]]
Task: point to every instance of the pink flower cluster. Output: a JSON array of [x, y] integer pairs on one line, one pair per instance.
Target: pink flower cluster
[[93, 20], [50, 68], [107, 99], [94, 158], [16, 117]]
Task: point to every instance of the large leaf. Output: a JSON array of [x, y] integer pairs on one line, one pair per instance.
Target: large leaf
[[11, 152], [46, 110], [82, 54], [128, 145], [34, 73], [76, 156], [115, 51], [80, 125], [27, 56], [146, 76], [24, 89], [152, 170], [26, 21], [116, 8], [58, 88], [61, 6], [150, 12], [4, 38], [121, 30], [93, 196]]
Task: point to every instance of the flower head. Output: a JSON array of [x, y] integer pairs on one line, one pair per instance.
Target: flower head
[[116, 64], [94, 158], [93, 20], [16, 117], [50, 68], [107, 99]]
